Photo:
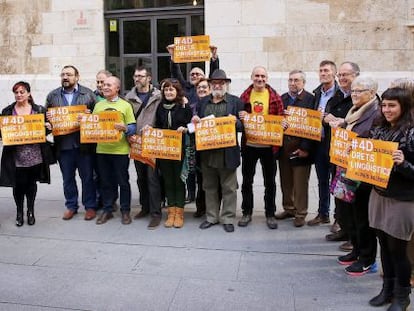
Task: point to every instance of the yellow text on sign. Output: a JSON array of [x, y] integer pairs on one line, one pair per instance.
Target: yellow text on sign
[[215, 133], [136, 153], [100, 127], [340, 146], [64, 119], [263, 129], [191, 49], [303, 122], [161, 144], [21, 130], [371, 161]]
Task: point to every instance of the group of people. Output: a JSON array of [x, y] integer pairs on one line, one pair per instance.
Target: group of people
[[345, 99]]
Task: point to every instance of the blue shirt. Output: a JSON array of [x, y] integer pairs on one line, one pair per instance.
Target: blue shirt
[[325, 96]]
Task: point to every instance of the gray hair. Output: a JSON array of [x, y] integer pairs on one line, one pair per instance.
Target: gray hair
[[366, 82], [355, 67], [105, 72], [302, 74]]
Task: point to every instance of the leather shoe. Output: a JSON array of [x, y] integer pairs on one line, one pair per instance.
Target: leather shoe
[[284, 215], [338, 236], [271, 222], [199, 212], [299, 222], [206, 224], [125, 218], [104, 217], [68, 214], [228, 227], [346, 247], [90, 214], [319, 219], [244, 221], [141, 214], [335, 227], [154, 222]]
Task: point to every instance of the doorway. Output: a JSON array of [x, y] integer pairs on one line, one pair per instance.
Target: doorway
[[141, 40]]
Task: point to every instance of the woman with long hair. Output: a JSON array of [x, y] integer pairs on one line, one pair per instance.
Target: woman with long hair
[[391, 209], [22, 166]]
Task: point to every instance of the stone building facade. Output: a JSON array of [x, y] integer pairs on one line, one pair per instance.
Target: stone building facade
[[38, 37]]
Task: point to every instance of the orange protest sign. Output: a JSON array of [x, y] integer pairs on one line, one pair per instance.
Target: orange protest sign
[[161, 144], [21, 130], [100, 127], [64, 119], [215, 133], [305, 123], [136, 153], [191, 49], [263, 129], [371, 161], [340, 146]]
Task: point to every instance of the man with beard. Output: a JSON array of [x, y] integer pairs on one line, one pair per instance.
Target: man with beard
[[145, 100], [219, 166], [71, 154]]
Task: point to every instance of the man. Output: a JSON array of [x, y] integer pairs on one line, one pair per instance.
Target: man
[[338, 108], [100, 79], [323, 93], [71, 154], [219, 166], [259, 98], [113, 158], [295, 157], [145, 100]]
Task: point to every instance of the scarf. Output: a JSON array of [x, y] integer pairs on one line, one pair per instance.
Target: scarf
[[169, 107], [355, 113]]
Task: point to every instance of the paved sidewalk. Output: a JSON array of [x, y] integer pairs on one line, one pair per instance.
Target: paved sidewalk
[[77, 265]]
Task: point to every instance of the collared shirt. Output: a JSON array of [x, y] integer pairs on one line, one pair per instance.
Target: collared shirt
[[346, 94], [69, 95], [325, 96]]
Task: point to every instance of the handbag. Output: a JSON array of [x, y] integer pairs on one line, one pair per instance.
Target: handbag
[[343, 188]]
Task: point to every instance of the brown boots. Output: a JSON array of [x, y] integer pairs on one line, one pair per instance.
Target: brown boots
[[175, 217]]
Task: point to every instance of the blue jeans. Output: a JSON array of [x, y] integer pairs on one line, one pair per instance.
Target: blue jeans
[[113, 171], [70, 161], [322, 166]]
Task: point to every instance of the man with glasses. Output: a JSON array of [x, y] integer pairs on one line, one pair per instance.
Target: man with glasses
[[71, 154], [259, 98], [219, 166], [336, 107], [145, 100], [295, 158]]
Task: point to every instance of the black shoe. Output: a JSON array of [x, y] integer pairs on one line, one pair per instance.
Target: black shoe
[[19, 220], [30, 218], [228, 227], [104, 217], [271, 222], [199, 213], [125, 218], [244, 221], [338, 236], [206, 224], [154, 222], [347, 259]]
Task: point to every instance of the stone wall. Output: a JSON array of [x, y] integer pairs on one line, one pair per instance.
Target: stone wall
[[297, 34], [39, 37]]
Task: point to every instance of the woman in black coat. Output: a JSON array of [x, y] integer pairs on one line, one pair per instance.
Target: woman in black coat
[[23, 165]]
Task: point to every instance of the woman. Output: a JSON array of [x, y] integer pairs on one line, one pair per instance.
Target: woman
[[391, 210], [23, 165], [173, 114], [354, 216]]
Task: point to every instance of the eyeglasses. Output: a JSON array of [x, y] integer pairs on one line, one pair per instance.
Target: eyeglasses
[[196, 74], [140, 76], [358, 91], [345, 74]]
